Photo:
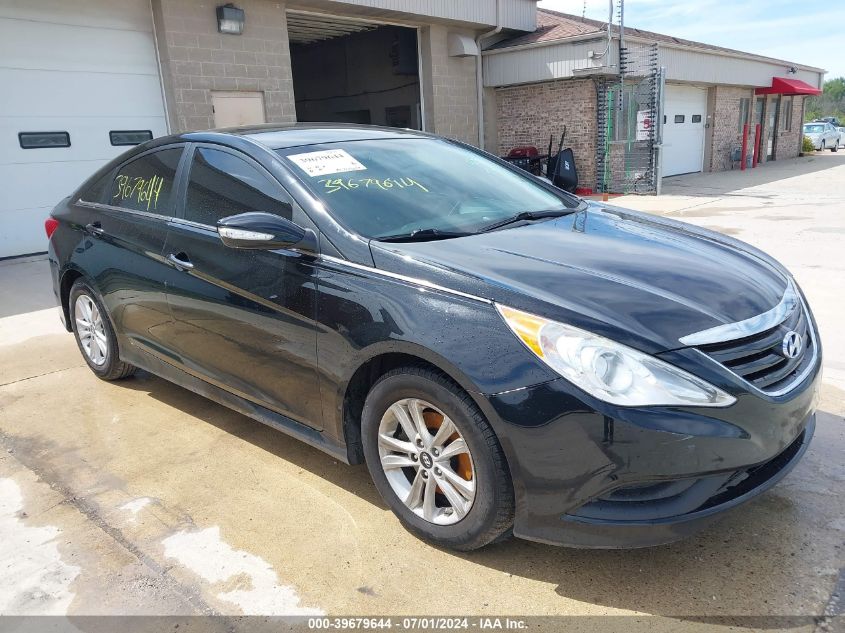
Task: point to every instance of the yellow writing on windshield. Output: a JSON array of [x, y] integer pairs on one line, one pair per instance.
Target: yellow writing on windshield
[[331, 185], [142, 190]]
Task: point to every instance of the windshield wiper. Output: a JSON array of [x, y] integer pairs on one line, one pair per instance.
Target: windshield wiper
[[527, 215], [423, 235]]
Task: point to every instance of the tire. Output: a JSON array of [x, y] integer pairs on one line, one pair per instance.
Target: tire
[[835, 148], [85, 306], [464, 525]]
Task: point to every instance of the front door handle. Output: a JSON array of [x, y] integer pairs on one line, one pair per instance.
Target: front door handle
[[180, 260], [95, 228]]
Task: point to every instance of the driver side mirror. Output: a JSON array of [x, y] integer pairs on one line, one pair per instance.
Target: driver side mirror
[[264, 231]]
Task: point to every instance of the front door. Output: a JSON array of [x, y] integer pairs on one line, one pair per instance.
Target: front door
[[244, 319], [772, 110]]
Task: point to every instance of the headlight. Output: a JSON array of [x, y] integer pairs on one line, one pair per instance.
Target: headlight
[[608, 370]]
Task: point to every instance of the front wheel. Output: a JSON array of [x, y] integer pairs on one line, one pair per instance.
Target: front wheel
[[94, 333], [835, 148], [435, 460]]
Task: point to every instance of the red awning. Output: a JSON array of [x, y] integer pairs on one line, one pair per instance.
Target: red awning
[[784, 86]]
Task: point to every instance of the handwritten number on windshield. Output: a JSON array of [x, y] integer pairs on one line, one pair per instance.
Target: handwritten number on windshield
[[331, 185]]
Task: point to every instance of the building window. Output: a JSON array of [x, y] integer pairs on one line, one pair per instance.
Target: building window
[[696, 118], [787, 114], [129, 137], [40, 140], [679, 118], [744, 108]]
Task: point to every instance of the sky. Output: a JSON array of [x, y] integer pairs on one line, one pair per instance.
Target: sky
[[808, 32]]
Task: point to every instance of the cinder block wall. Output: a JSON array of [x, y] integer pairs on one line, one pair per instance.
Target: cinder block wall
[[726, 132], [449, 87], [196, 59], [528, 114]]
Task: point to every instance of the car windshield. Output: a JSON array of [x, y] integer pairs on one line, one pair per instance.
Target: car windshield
[[813, 129], [390, 187]]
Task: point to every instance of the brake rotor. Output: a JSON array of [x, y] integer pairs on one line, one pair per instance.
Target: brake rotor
[[433, 421]]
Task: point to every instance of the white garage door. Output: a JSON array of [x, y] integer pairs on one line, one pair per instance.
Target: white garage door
[[683, 129], [86, 67]]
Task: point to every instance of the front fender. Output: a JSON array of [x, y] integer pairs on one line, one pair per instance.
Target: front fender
[[362, 314]]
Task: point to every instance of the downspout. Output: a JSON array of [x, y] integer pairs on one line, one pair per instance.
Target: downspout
[[479, 78]]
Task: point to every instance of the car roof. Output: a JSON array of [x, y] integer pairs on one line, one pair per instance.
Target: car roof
[[280, 136]]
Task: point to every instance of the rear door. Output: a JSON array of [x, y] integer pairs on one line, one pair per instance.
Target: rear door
[[244, 319], [125, 218]]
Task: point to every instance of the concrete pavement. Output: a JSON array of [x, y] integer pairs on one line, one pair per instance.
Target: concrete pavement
[[140, 497]]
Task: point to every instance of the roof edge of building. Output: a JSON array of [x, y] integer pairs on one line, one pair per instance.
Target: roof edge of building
[[642, 36]]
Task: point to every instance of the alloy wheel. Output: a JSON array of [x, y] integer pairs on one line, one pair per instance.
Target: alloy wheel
[[426, 461], [90, 329]]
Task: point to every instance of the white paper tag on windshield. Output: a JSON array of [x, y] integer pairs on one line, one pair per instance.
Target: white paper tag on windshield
[[330, 161]]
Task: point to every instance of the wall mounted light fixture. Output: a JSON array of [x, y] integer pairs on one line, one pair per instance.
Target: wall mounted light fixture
[[230, 19]]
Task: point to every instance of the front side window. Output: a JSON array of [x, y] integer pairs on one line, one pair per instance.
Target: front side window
[[147, 183], [387, 187], [221, 184]]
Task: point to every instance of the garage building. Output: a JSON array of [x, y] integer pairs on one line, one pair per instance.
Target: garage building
[[566, 73], [82, 81]]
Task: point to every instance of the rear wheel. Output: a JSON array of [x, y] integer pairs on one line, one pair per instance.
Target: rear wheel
[[835, 147], [435, 460], [94, 333]]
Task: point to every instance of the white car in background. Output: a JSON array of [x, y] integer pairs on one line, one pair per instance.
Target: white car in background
[[823, 135], [841, 131]]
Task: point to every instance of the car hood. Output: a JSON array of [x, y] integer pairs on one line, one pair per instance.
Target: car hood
[[641, 280]]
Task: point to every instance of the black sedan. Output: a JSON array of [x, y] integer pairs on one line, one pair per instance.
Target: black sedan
[[505, 357]]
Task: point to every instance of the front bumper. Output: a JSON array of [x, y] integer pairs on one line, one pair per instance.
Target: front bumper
[[588, 474], [616, 532]]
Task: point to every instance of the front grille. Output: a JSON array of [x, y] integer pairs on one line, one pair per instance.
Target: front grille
[[760, 360]]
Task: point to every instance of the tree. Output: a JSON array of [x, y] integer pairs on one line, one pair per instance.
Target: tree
[[830, 103]]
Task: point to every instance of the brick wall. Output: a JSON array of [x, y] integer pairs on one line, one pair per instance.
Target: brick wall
[[196, 59], [449, 84], [528, 114], [789, 141], [725, 131]]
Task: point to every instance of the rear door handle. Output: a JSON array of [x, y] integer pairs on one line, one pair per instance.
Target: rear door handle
[[180, 260], [95, 228]]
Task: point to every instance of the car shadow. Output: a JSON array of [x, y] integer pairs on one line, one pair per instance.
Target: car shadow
[[746, 564], [355, 479]]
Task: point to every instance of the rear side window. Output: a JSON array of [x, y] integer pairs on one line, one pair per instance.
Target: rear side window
[[96, 190], [147, 183], [221, 184]]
